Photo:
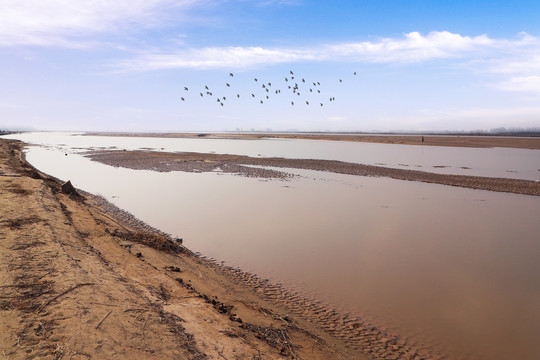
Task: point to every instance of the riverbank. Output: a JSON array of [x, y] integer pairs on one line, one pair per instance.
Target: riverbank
[[78, 281], [81, 279]]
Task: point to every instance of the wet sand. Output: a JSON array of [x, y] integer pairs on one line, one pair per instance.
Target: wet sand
[[251, 166], [428, 140]]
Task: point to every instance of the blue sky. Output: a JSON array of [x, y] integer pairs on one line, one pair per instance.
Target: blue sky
[[123, 65]]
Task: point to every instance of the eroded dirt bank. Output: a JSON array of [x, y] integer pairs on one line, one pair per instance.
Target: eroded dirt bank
[[243, 165], [81, 280]]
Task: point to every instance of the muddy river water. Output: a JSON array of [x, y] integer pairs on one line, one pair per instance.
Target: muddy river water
[[453, 270]]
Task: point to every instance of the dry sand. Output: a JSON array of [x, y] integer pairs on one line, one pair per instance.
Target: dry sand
[[81, 280]]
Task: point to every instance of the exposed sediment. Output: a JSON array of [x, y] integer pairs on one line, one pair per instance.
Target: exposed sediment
[[255, 167]]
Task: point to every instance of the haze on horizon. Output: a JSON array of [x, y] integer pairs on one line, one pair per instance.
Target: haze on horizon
[[123, 65]]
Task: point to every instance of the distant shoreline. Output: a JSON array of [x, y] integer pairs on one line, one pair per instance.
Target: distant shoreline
[[477, 141]]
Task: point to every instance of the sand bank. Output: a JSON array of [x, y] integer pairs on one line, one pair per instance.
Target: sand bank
[[243, 165], [81, 279]]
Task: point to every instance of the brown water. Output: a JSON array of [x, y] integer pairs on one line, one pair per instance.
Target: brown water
[[452, 270]]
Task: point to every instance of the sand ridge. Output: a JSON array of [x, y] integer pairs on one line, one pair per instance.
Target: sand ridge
[[258, 167]]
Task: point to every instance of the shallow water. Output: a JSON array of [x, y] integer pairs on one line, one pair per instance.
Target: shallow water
[[448, 268], [492, 162]]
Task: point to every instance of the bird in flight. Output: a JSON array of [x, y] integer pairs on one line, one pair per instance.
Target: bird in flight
[[185, 88], [231, 74], [182, 99]]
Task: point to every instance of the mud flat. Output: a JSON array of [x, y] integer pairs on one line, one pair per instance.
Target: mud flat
[[266, 168], [81, 279]]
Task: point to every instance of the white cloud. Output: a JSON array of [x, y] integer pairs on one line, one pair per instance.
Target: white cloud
[[529, 84], [412, 47], [65, 22]]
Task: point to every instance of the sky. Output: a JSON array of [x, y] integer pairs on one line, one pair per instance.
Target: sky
[[366, 65]]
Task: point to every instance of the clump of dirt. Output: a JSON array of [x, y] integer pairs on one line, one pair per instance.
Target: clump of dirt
[[14, 224], [278, 338], [155, 241]]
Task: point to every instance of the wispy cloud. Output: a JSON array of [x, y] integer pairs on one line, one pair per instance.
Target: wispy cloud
[[69, 23], [412, 47]]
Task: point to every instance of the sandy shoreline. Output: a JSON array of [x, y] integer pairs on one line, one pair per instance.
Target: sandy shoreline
[[428, 140], [82, 279], [243, 165]]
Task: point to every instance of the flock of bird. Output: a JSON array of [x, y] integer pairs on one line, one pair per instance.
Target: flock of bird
[[263, 91]]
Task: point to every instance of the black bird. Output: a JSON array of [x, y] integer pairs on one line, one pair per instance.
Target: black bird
[[231, 74], [292, 102], [206, 87], [267, 97], [252, 95], [267, 90], [321, 104], [228, 84], [261, 101], [185, 88], [354, 73], [255, 79], [340, 80], [307, 102], [238, 95], [303, 80], [218, 100], [224, 98], [182, 99], [310, 90], [318, 83], [264, 86], [201, 94], [221, 103], [269, 84], [292, 77], [298, 93], [291, 72], [286, 79], [314, 84], [319, 91]]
